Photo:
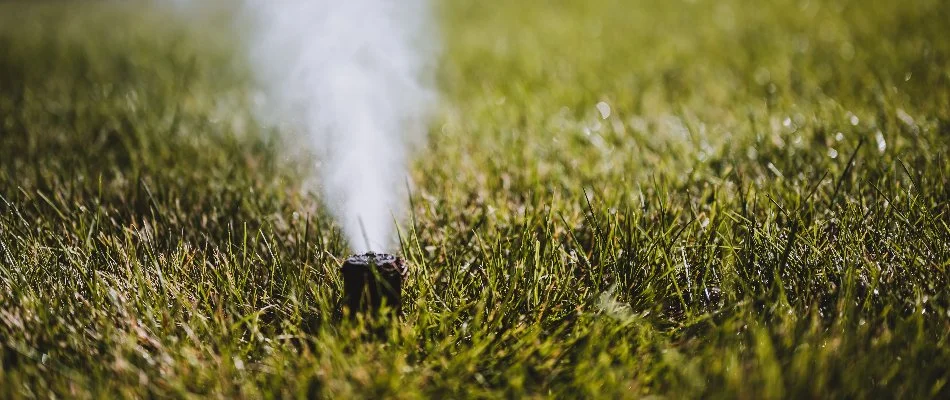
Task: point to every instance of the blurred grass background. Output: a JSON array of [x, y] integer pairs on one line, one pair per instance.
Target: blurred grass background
[[618, 199]]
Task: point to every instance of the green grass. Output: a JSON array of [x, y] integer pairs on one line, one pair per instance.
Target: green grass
[[763, 213]]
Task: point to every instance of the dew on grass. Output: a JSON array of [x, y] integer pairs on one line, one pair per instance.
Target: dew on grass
[[596, 126], [905, 117], [752, 153], [854, 120], [599, 142], [832, 152], [775, 170], [881, 144], [604, 109]]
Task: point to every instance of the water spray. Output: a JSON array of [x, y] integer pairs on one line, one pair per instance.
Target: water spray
[[352, 81], [354, 78]]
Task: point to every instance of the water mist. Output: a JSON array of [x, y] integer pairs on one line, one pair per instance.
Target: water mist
[[353, 78]]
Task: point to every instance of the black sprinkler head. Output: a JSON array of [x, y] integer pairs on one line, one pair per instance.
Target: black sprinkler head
[[372, 279]]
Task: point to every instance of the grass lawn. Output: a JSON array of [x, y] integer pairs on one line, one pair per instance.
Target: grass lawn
[[617, 199]]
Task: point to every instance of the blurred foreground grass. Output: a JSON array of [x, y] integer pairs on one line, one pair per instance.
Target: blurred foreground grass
[[618, 199]]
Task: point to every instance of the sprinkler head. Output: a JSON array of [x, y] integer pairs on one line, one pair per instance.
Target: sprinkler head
[[371, 279]]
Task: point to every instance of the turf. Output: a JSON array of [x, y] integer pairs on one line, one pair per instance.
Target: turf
[[617, 199]]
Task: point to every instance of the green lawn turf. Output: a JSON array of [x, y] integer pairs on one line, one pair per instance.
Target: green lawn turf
[[763, 211]]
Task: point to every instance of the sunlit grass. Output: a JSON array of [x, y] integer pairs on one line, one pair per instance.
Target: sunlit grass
[[617, 199]]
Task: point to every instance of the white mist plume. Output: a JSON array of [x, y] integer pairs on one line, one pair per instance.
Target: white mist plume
[[353, 77]]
